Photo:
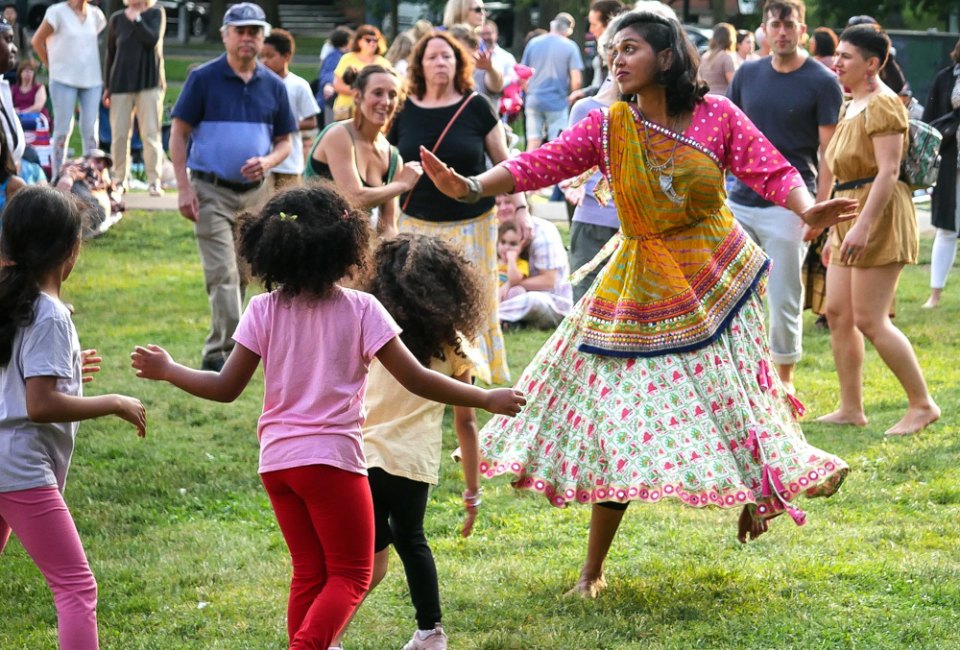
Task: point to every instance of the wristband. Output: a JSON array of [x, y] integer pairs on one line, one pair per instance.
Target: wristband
[[472, 501], [474, 190]]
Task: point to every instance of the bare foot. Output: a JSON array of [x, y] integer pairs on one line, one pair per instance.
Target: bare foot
[[915, 420], [588, 587], [749, 527], [789, 388], [857, 419], [934, 300]]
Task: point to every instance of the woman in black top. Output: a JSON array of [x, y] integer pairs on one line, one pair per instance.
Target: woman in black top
[[440, 82], [135, 84], [944, 101], [356, 156]]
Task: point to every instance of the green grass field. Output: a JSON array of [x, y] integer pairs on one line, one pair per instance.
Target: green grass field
[[187, 553]]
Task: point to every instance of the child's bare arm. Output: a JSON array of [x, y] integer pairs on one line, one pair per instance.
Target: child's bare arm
[[153, 362], [465, 425], [46, 404], [405, 368]]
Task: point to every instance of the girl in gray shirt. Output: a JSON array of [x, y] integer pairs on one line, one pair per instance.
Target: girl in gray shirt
[[41, 372]]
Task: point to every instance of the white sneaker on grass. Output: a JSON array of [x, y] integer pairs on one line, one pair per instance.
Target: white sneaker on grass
[[435, 639]]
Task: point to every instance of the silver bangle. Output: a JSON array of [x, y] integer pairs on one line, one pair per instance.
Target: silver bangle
[[474, 190]]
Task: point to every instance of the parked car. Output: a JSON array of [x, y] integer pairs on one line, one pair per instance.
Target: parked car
[[699, 36], [197, 16]]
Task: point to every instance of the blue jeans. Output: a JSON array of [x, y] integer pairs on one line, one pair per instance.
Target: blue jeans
[[64, 99]]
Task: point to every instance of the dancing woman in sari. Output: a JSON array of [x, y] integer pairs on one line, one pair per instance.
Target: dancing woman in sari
[[659, 384]]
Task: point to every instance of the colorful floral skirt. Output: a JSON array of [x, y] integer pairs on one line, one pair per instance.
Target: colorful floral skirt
[[712, 427]]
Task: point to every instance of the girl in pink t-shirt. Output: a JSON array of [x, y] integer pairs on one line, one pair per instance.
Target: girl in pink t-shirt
[[316, 340]]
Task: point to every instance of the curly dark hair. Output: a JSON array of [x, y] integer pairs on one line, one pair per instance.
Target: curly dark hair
[[462, 78], [684, 90], [304, 240], [41, 230], [432, 290]]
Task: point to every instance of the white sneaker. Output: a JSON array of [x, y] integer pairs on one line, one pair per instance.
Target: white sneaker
[[156, 189], [435, 639]]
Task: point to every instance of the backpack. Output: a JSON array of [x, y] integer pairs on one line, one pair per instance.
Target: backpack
[[921, 160]]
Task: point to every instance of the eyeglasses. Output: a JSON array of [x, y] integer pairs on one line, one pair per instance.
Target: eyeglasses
[[479, 10], [371, 39]]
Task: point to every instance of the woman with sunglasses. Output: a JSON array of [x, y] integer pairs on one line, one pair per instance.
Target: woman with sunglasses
[[367, 49], [466, 12]]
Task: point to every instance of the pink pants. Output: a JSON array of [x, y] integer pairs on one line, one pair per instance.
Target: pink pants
[[326, 517], [44, 526]]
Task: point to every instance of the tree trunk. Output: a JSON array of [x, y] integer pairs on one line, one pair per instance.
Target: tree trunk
[[216, 11], [395, 23], [272, 9], [719, 11], [113, 7]]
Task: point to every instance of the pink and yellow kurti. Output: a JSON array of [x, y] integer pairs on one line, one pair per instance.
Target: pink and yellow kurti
[[658, 384]]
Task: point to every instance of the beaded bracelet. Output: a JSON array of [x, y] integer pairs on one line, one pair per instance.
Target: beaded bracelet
[[472, 501]]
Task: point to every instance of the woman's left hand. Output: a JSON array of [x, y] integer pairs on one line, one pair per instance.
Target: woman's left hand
[[445, 179], [851, 248], [830, 212]]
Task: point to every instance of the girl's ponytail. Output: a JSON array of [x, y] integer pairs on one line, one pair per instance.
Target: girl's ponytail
[[41, 230], [18, 291]]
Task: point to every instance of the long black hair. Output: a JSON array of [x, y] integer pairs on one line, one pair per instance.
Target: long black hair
[[683, 88], [41, 229]]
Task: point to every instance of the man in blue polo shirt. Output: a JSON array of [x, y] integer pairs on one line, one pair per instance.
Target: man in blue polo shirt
[[231, 125]]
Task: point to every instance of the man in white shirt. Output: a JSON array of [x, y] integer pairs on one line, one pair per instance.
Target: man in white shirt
[[9, 121], [277, 52], [500, 59]]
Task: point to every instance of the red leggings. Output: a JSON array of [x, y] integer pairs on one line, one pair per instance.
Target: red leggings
[[326, 517]]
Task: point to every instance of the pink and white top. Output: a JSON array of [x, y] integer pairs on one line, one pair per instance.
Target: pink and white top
[[718, 127], [316, 354]]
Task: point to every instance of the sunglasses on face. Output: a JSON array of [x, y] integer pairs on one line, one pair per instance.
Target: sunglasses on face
[[478, 10], [370, 39]]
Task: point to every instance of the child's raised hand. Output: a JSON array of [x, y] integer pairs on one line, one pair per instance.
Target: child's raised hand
[[131, 410], [504, 401], [91, 364], [151, 362]]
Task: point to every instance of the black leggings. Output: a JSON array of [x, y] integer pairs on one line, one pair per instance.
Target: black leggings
[[399, 505]]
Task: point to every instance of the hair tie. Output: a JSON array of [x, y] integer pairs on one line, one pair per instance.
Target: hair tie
[[287, 217]]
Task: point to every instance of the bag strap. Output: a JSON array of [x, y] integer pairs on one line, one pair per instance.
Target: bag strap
[[394, 163], [437, 144]]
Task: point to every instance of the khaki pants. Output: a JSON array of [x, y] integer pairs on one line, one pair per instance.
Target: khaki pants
[[148, 106], [280, 181], [225, 283]]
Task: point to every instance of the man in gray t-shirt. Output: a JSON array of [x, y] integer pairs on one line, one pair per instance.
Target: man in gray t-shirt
[[794, 100], [557, 70]]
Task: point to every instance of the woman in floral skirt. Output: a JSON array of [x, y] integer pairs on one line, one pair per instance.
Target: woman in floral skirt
[[658, 384]]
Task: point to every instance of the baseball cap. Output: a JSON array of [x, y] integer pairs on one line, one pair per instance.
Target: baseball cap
[[246, 13], [100, 154]]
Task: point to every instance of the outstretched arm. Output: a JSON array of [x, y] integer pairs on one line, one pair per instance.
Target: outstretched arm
[[46, 404], [153, 362], [426, 383], [465, 424], [820, 215]]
